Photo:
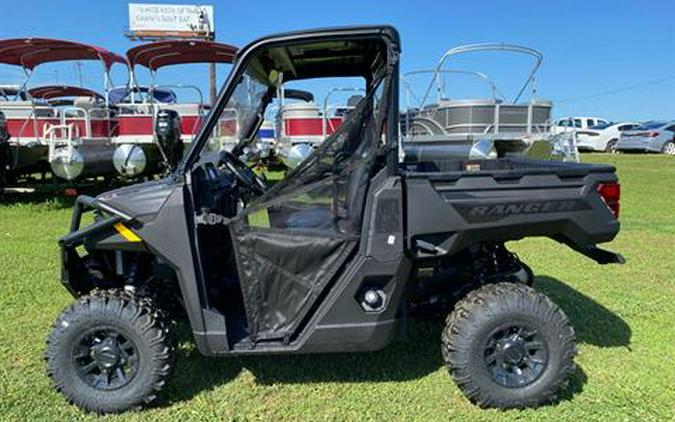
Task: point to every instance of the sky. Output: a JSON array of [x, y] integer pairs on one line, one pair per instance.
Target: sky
[[611, 59]]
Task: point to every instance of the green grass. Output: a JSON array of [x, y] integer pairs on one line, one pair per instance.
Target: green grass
[[624, 317]]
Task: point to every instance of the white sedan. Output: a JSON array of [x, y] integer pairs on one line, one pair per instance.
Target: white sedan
[[602, 137]]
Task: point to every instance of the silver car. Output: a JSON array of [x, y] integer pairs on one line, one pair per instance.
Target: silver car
[[649, 137]]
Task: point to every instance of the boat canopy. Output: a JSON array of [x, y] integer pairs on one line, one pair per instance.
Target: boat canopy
[[60, 91], [31, 52], [164, 53]]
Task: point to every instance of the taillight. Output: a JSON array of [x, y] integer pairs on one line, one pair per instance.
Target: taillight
[[611, 194]]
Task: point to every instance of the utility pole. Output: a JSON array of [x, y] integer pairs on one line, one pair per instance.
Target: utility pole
[[212, 83], [78, 66], [206, 27]]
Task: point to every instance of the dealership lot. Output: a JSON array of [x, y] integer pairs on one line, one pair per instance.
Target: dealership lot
[[624, 317]]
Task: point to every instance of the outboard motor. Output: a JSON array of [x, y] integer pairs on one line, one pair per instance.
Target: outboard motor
[[168, 132], [4, 149]]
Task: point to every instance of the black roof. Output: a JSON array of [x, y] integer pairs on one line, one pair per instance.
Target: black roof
[[327, 52]]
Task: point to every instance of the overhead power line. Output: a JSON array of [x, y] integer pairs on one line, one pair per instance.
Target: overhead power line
[[617, 90]]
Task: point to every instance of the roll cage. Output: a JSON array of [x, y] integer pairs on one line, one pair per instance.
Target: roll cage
[[287, 243], [352, 56]]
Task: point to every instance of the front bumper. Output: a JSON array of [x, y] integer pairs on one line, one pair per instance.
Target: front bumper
[[83, 204], [72, 265]]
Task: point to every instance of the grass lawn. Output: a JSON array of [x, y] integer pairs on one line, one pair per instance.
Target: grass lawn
[[624, 317]]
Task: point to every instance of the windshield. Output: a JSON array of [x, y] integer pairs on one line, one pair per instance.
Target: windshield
[[241, 115], [650, 125], [601, 126], [263, 76]]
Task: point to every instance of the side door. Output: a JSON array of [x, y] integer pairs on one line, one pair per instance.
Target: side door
[[288, 249], [292, 243]]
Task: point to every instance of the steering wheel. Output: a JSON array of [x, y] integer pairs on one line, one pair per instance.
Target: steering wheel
[[243, 172]]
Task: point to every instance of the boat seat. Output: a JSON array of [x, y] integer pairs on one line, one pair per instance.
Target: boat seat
[[85, 103]]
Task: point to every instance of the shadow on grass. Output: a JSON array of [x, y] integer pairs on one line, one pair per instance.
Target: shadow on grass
[[55, 200], [593, 323], [409, 359], [574, 387], [415, 357], [60, 195], [194, 373]]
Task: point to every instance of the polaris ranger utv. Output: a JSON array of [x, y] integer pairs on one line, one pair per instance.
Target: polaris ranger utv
[[331, 258]]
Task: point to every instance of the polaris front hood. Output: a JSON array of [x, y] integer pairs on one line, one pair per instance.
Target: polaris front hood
[[141, 201]]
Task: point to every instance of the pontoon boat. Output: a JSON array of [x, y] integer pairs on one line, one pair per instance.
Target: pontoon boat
[[138, 151], [303, 124], [74, 140], [438, 123]]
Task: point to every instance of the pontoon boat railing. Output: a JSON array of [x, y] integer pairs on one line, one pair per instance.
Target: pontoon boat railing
[[538, 56], [154, 106], [72, 113], [480, 75], [410, 92], [325, 121], [34, 119], [63, 134]]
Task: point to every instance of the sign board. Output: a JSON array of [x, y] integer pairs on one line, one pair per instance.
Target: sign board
[[170, 20]]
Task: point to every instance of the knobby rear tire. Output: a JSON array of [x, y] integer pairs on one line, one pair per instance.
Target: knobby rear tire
[[484, 311]]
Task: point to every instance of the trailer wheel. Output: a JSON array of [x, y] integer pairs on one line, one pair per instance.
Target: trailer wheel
[[508, 346], [109, 352]]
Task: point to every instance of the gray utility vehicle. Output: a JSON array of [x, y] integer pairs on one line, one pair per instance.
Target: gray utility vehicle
[[331, 258]]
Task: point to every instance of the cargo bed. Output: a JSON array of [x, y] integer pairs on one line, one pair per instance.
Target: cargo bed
[[456, 203]]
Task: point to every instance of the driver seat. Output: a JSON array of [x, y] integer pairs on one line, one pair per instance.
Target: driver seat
[[346, 218], [317, 218]]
